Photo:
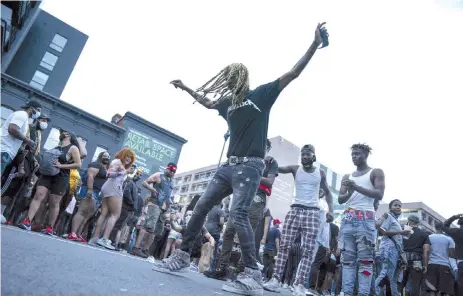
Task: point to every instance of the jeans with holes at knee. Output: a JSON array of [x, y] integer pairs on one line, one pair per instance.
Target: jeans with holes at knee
[[242, 180], [357, 244]]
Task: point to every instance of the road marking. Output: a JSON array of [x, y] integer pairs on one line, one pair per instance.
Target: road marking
[[73, 243]]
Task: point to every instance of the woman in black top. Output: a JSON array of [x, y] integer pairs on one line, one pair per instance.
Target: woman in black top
[[90, 193], [55, 185]]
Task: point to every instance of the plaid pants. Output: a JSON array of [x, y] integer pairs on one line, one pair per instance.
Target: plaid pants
[[304, 222]]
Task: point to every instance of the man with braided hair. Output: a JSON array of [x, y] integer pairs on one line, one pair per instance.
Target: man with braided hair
[[247, 113], [360, 191]]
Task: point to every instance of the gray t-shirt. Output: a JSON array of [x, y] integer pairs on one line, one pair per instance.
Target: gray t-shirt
[[440, 245], [391, 224]]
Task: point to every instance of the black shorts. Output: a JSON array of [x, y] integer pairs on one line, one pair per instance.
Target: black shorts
[[56, 185], [441, 278], [123, 219]]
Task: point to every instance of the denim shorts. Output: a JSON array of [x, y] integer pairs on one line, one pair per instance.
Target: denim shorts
[[96, 196]]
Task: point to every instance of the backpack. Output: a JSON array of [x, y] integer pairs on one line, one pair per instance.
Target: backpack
[[46, 160]]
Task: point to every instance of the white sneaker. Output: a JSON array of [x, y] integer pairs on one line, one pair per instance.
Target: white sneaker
[[273, 285], [106, 243], [261, 267], [150, 259], [285, 286], [299, 290], [3, 220]]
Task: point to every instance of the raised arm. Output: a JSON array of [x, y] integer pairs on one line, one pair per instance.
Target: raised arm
[[288, 77], [209, 104], [289, 169]]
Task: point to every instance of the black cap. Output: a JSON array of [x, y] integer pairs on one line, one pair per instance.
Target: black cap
[[32, 104], [44, 116], [309, 147], [414, 218]]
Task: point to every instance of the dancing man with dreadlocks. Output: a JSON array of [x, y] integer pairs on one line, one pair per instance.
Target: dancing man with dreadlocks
[[357, 236], [247, 114]]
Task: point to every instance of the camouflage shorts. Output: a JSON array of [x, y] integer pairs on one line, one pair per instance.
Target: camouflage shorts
[[151, 218]]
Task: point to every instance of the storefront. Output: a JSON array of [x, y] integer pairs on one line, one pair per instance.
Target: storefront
[[155, 146]]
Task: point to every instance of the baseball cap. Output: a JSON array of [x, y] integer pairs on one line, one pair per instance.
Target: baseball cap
[[276, 221], [32, 104], [414, 218], [309, 147]]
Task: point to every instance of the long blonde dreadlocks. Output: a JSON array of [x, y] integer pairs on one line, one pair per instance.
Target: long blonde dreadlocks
[[232, 81]]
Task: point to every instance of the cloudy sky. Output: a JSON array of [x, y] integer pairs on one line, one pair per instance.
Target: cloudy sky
[[391, 78]]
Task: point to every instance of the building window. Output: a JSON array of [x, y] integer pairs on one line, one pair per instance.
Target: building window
[[48, 61], [6, 111], [184, 189], [52, 140], [98, 150], [39, 80], [58, 43], [187, 179]]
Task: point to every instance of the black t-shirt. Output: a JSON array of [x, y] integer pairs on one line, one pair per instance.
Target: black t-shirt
[[270, 169], [414, 243], [248, 122], [457, 235], [100, 177]]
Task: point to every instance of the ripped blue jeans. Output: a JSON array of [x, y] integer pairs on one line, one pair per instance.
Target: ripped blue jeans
[[357, 238], [389, 256]]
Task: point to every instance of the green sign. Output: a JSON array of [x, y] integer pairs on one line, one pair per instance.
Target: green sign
[[152, 154]]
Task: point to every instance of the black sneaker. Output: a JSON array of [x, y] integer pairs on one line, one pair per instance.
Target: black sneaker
[[139, 253], [248, 282], [218, 274]]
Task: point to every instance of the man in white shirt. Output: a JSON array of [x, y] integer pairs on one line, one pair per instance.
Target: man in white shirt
[[14, 132]]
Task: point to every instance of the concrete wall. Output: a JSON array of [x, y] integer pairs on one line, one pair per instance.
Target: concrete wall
[[37, 43]]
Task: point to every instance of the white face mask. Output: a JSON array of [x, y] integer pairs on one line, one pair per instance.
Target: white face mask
[[43, 125]]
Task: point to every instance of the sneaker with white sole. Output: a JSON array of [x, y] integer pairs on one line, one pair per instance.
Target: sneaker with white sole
[[300, 290], [273, 285], [247, 283], [179, 261], [106, 243]]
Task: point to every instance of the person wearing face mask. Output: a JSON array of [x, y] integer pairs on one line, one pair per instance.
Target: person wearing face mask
[[57, 184], [303, 218], [112, 194], [390, 247], [92, 182], [130, 195], [15, 132]]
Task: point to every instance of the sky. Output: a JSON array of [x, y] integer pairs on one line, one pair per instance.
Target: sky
[[390, 78]]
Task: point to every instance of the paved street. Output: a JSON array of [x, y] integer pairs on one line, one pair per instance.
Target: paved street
[[35, 264]]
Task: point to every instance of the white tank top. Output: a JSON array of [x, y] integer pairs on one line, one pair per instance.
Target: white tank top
[[307, 187], [359, 201]]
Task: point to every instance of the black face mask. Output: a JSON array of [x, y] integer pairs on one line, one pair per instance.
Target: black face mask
[[105, 161]]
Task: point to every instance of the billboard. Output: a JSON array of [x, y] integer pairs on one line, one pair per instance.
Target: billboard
[[152, 154]]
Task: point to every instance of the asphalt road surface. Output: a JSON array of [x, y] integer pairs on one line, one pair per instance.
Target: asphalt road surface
[[35, 264]]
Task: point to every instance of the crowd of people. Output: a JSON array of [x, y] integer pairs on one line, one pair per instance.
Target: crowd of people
[[228, 233]]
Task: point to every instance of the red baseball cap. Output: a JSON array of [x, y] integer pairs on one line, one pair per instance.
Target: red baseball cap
[[276, 221]]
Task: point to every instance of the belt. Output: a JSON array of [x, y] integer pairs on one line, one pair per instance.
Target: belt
[[235, 160]]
